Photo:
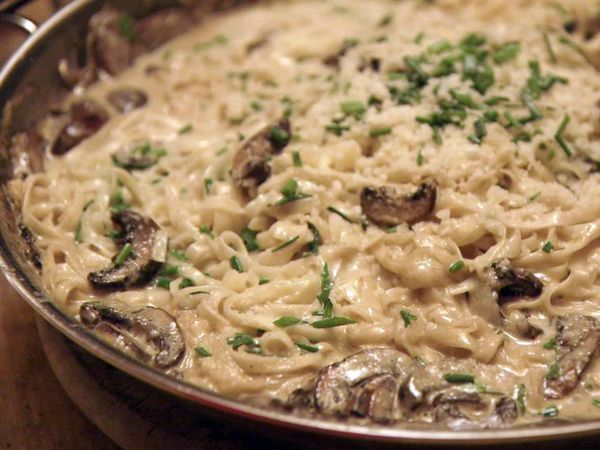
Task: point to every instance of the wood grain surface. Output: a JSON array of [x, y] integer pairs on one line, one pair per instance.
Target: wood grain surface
[[35, 412]]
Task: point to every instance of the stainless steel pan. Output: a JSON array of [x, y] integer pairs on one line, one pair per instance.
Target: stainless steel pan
[[29, 84]]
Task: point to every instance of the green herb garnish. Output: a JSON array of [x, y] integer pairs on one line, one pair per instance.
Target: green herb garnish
[[241, 339], [249, 238], [178, 254], [236, 264], [125, 252], [506, 53], [296, 159], [279, 137], [553, 371], [285, 244], [291, 193], [186, 129], [207, 231], [456, 266], [126, 27], [548, 247], [339, 213], [550, 411], [202, 352], [326, 287], [263, 280], [521, 398], [560, 138], [354, 108], [313, 246], [287, 321], [219, 39], [550, 344], [186, 282], [453, 377], [307, 347], [378, 132], [407, 317], [333, 322], [208, 182]]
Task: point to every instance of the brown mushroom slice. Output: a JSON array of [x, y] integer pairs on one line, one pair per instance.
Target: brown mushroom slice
[[385, 206], [377, 398], [154, 30], [111, 40], [250, 166], [577, 339], [127, 99], [334, 394], [506, 410], [133, 265], [27, 153], [150, 334], [85, 119], [513, 282]]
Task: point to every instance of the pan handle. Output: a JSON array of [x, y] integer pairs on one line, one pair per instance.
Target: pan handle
[[8, 16]]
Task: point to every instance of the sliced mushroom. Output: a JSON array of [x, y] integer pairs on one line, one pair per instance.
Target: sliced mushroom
[[519, 324], [251, 162], [385, 206], [506, 410], [127, 99], [577, 339], [154, 30], [150, 334], [137, 266], [111, 40], [31, 251], [334, 387], [85, 119], [513, 282], [377, 398], [27, 153]]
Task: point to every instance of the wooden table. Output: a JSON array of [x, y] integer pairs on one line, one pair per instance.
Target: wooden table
[[36, 413]]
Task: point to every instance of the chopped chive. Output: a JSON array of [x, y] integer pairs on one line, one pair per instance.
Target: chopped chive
[[313, 246], [326, 287], [307, 348], [493, 101], [506, 53], [453, 377], [202, 352], [550, 411], [407, 317], [559, 135], [354, 108], [199, 292], [241, 339], [208, 184], [480, 131], [285, 244], [170, 271], [534, 197], [249, 238], [186, 129], [279, 137], [207, 231], [178, 254], [186, 283], [78, 234], [336, 128], [420, 158], [483, 389], [256, 106], [339, 213], [125, 252], [521, 398], [553, 372], [287, 321], [291, 193], [163, 282], [550, 344], [439, 47], [548, 45], [297, 159], [391, 230], [419, 38], [378, 132], [395, 76], [333, 322], [548, 247], [236, 264], [456, 266], [596, 402], [570, 43], [263, 280]]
